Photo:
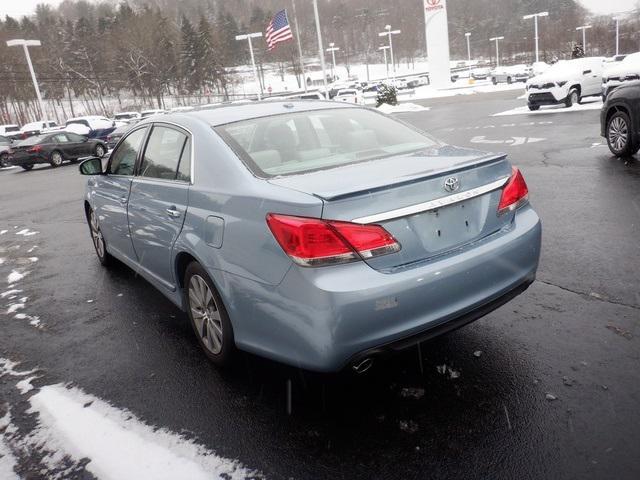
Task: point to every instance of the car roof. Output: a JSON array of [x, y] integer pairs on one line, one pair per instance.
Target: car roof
[[223, 114]]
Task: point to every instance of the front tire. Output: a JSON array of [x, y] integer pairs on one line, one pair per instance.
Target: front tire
[[4, 160], [27, 168], [533, 108], [509, 81], [98, 240], [620, 138], [55, 159], [208, 316], [572, 98]]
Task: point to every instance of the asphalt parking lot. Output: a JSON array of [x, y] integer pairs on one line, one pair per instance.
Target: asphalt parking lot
[[545, 387]]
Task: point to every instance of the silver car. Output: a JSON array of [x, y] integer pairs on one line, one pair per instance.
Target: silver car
[[315, 233]]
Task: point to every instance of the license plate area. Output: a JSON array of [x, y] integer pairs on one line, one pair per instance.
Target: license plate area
[[450, 226]]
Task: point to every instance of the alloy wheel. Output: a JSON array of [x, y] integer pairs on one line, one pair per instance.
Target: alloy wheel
[[96, 235], [56, 159], [205, 313], [618, 133], [99, 151]]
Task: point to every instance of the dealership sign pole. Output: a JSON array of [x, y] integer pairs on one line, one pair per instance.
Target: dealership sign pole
[[437, 37]]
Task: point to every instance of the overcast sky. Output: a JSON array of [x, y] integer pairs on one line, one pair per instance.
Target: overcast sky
[[25, 7]]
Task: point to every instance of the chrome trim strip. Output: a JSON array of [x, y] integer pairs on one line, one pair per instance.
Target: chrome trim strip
[[432, 204]]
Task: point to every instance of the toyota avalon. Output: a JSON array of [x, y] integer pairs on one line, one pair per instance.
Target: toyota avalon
[[313, 233]]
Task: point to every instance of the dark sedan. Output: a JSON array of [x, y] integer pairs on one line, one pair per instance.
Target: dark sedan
[[114, 137], [620, 119], [54, 149]]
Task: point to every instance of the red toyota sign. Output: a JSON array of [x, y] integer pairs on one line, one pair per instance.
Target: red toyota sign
[[431, 5]]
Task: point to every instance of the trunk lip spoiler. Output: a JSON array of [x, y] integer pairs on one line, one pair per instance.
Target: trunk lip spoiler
[[432, 204]]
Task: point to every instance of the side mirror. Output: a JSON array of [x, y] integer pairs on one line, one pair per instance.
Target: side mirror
[[91, 166]]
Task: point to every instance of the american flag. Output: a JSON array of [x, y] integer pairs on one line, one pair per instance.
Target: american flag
[[278, 30]]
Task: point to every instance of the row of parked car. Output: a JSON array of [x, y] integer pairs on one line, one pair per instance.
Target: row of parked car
[[569, 81], [47, 142]]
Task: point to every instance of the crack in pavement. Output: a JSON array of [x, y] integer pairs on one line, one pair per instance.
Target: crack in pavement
[[589, 295]]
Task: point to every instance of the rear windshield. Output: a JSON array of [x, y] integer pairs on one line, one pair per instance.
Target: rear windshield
[[34, 140], [314, 140]]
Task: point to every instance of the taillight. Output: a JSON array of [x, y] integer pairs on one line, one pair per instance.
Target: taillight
[[35, 149], [312, 242], [515, 193]]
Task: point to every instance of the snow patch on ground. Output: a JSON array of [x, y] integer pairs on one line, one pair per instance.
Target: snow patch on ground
[[2, 232], [597, 105], [16, 276], [402, 107], [9, 292], [14, 307], [7, 367], [117, 443], [1, 260], [7, 459], [34, 320], [26, 232], [25, 385]]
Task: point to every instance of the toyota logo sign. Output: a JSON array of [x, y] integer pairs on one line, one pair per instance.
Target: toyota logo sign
[[451, 184], [431, 5]]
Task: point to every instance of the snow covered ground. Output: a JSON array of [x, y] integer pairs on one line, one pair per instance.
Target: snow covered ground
[[524, 110], [73, 427]]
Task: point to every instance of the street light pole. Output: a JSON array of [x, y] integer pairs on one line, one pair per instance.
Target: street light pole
[[388, 33], [384, 49], [617, 35], [25, 44], [468, 35], [320, 47], [333, 49], [497, 39], [535, 21], [248, 37], [584, 29]]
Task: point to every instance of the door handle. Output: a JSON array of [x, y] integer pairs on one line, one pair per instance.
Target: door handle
[[173, 212]]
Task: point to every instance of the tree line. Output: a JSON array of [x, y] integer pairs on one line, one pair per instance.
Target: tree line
[[105, 55]]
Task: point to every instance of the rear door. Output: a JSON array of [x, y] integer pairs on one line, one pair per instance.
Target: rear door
[[159, 198], [112, 190], [79, 146]]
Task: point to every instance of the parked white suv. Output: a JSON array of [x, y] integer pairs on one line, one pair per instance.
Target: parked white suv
[[567, 81], [615, 74]]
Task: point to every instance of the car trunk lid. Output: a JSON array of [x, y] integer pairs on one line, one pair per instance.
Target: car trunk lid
[[408, 197]]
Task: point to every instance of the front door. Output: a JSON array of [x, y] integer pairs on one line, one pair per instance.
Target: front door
[[158, 201], [112, 191]]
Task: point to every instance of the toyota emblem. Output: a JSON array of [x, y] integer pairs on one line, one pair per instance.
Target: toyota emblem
[[451, 184]]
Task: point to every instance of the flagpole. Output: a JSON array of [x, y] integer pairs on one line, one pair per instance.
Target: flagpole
[[295, 19], [320, 47]]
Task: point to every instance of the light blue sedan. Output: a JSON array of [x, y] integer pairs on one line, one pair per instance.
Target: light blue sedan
[[317, 234]]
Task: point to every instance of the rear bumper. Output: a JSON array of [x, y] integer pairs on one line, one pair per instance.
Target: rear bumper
[[323, 319], [23, 159]]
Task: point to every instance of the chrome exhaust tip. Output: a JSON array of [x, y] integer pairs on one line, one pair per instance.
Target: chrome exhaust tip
[[363, 365]]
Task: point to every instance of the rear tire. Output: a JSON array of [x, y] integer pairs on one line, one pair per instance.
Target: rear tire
[[4, 160], [509, 81], [494, 80], [55, 159], [27, 167], [572, 98], [98, 240], [100, 150], [208, 316], [533, 108], [620, 138]]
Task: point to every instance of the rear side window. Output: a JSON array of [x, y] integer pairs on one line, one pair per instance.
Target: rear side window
[[314, 140], [61, 138], [163, 153], [123, 160]]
